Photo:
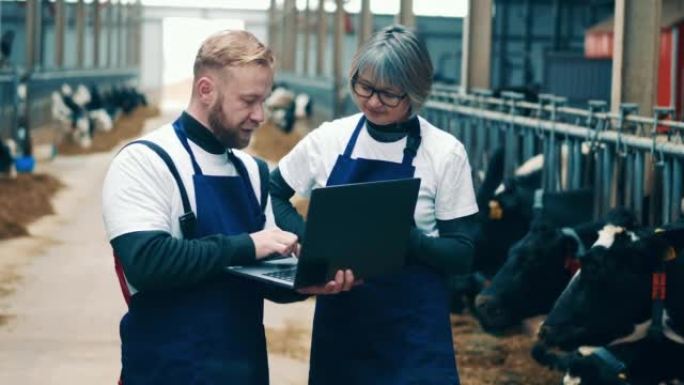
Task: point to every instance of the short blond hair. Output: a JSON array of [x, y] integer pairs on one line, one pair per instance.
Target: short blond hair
[[231, 48]]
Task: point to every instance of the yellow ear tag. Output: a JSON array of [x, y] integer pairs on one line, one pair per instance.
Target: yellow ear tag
[[670, 254], [495, 210], [622, 376]]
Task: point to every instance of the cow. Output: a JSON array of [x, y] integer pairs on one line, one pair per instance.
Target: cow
[[98, 118], [284, 107], [643, 362], [630, 287], [538, 268], [281, 108], [629, 296], [76, 116], [7, 154], [506, 213]]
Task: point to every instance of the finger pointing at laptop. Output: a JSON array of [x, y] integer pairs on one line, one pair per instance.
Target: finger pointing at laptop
[[274, 241]]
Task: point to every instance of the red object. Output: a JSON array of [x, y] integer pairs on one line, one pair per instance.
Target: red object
[[572, 264], [598, 45], [658, 287], [348, 24], [122, 280]]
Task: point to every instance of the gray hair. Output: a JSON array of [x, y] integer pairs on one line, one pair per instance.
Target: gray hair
[[395, 57]]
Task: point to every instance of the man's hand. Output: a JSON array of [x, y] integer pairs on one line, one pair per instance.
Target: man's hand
[[344, 281], [272, 241]]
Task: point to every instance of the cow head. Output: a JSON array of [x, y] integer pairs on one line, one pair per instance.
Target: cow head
[[537, 270], [504, 221], [609, 299], [529, 281]]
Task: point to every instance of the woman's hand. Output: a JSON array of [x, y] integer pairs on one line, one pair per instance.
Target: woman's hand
[[344, 281]]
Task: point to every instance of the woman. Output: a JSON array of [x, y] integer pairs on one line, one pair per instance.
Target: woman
[[395, 329]]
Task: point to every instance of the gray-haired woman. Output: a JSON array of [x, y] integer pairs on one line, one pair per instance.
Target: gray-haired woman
[[395, 329]]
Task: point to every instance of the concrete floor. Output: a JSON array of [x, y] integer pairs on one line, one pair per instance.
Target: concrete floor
[[63, 299]]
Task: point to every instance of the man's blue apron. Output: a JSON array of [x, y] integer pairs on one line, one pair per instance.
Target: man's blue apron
[[210, 333], [393, 330]]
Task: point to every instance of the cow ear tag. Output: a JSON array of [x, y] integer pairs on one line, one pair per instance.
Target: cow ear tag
[[670, 254], [495, 210]]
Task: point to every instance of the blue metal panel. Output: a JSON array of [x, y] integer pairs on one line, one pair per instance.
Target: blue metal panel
[[577, 78]]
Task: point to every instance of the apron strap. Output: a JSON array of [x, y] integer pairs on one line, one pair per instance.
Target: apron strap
[[187, 220], [265, 180], [413, 140], [180, 133], [241, 169], [355, 135]]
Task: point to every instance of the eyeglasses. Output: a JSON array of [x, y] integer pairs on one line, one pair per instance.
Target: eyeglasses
[[366, 91]]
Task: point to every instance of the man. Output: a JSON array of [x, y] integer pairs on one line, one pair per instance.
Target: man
[[179, 207]]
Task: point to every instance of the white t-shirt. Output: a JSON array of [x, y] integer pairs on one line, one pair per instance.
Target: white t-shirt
[[140, 194], [446, 189]]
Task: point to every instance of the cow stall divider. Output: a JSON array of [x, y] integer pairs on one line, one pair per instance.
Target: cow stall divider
[[9, 104], [629, 160]]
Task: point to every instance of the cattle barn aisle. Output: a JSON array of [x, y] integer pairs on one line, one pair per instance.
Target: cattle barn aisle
[[60, 301]]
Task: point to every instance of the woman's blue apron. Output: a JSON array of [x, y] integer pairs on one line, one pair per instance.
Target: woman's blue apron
[[392, 330], [211, 332]]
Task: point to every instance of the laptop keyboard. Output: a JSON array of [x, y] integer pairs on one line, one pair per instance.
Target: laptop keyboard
[[285, 274]]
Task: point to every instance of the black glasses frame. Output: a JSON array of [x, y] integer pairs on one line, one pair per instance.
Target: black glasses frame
[[382, 94]]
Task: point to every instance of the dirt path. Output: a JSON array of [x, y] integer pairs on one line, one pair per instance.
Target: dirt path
[[61, 320]]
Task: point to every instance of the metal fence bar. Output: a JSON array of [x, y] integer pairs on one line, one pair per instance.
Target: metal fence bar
[[572, 130], [666, 213], [569, 111], [638, 204], [676, 197], [618, 149]]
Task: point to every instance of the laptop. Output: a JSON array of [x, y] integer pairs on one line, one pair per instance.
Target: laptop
[[361, 226]]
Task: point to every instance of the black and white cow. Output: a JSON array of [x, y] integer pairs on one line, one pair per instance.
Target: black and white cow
[[629, 296], [87, 110], [283, 107], [643, 362], [506, 213], [7, 154], [510, 211], [538, 268], [616, 295], [629, 292]]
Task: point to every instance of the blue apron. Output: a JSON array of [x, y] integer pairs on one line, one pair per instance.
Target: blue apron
[[212, 332], [393, 330]]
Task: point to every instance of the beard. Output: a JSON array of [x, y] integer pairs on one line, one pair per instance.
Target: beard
[[223, 131]]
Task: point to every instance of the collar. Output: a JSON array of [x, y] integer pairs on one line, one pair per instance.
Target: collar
[[393, 131], [201, 135], [570, 232]]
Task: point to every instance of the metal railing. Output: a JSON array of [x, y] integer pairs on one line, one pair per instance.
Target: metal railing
[[8, 104], [629, 160]]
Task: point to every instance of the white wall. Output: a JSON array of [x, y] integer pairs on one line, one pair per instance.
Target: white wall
[[153, 67]]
